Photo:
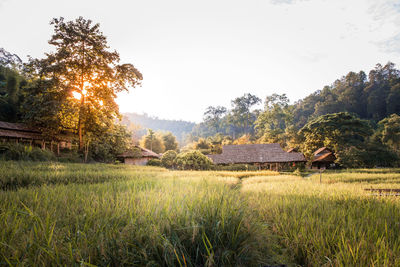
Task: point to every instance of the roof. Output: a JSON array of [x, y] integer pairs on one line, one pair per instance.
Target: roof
[[20, 130], [20, 134], [144, 153], [255, 153], [16, 127], [318, 151], [327, 157]]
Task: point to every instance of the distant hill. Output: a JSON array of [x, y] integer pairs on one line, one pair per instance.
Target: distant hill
[[178, 128]]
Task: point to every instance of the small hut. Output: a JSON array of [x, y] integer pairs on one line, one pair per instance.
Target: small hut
[[323, 159], [270, 156], [138, 156]]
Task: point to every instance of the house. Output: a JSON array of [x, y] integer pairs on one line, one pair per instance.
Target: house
[[271, 156], [21, 133], [138, 156], [324, 158]]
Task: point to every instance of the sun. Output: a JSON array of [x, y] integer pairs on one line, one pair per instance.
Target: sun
[[77, 95]]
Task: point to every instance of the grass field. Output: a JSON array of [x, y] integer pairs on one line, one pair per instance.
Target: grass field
[[113, 215]]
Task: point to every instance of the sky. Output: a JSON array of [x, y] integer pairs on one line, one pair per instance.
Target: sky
[[195, 54]]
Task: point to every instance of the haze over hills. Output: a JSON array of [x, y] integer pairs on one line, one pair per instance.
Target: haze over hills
[[179, 128]]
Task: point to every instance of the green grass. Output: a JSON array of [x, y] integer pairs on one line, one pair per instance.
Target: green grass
[[113, 215]]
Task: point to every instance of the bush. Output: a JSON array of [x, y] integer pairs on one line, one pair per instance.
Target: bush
[[167, 159], [374, 155], [25, 152], [236, 167], [154, 162], [192, 160]]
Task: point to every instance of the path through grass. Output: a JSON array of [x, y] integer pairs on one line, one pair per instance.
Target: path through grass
[[113, 215]]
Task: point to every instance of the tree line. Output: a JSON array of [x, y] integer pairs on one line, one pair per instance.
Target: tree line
[[357, 116]]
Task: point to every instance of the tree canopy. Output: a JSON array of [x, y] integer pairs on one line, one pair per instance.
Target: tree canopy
[[79, 80]]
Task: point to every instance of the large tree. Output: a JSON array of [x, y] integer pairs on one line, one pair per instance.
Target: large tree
[[389, 129], [81, 78], [241, 116], [337, 131], [274, 120], [169, 141], [212, 117], [153, 142]]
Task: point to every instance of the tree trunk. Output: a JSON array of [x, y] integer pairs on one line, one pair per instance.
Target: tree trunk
[[80, 123]]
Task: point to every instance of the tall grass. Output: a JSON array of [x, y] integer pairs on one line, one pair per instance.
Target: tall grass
[[328, 224], [174, 219], [17, 174], [113, 215]]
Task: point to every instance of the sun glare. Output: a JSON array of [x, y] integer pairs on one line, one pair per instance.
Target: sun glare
[[76, 95]]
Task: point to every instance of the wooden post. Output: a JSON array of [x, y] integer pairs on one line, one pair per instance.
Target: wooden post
[[276, 166], [58, 148]]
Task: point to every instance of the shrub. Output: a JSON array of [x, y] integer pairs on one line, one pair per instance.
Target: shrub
[[167, 159], [193, 160], [25, 152], [154, 162], [236, 167], [373, 155]]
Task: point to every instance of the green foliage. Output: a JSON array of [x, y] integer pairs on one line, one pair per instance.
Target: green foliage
[[24, 152], [374, 97], [241, 116], [202, 144], [369, 156], [169, 141], [192, 160], [235, 167], [168, 158], [12, 85], [82, 64], [271, 124], [389, 130], [153, 142], [212, 117], [111, 143], [337, 131], [154, 162]]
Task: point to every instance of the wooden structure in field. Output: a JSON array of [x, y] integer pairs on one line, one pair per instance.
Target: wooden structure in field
[[20, 133], [138, 156], [270, 156], [323, 159]]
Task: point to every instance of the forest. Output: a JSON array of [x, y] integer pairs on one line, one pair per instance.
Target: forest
[[72, 91]]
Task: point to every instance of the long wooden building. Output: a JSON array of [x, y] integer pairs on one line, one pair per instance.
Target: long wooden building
[[21, 133], [270, 156]]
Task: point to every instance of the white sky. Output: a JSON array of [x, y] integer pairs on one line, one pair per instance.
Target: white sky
[[194, 54]]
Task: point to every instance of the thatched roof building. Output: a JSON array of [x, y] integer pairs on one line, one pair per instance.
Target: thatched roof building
[[18, 131], [256, 154], [138, 156], [323, 158]]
